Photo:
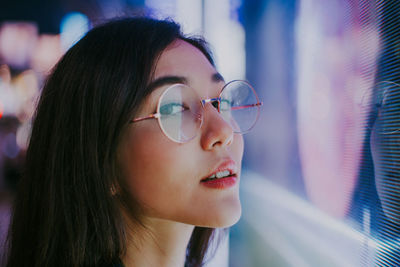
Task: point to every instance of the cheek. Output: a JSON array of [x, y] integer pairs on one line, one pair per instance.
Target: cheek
[[237, 148], [153, 168], [386, 172]]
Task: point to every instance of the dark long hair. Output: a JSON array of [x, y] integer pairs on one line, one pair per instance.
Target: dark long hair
[[64, 213]]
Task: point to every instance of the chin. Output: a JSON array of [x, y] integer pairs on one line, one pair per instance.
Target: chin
[[226, 217], [232, 221], [391, 211]]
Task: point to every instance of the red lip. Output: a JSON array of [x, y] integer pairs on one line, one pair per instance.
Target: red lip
[[225, 182], [221, 183]]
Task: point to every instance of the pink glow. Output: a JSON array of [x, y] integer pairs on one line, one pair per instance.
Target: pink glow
[[336, 62]]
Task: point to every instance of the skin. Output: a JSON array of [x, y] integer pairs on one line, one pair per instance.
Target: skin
[[385, 147], [164, 176]]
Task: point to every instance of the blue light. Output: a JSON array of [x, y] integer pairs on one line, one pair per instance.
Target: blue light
[[73, 27]]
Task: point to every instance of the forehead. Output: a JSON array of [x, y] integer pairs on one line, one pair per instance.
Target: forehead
[[183, 59]]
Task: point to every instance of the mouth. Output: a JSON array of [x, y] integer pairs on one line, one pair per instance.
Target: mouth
[[225, 175], [219, 175]]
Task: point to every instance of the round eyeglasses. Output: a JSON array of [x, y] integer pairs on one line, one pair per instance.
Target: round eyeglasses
[[180, 110]]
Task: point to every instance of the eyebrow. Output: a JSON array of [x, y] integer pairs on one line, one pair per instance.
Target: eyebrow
[[165, 80], [217, 77]]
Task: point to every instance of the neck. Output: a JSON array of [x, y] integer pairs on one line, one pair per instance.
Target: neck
[[160, 243]]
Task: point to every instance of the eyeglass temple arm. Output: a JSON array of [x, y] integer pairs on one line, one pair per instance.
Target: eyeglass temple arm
[[248, 106], [151, 116]]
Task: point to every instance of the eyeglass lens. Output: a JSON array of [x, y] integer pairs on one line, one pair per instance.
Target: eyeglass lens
[[180, 113], [238, 106]]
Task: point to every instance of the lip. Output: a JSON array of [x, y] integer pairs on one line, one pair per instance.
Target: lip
[[221, 183]]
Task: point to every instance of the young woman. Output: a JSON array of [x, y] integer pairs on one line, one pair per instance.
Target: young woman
[[135, 152]]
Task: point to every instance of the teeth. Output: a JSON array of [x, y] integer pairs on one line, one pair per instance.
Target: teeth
[[220, 174]]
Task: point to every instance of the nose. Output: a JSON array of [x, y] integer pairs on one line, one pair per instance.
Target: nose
[[216, 132]]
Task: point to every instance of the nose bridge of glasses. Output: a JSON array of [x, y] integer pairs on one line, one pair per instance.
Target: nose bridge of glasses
[[215, 102], [214, 108]]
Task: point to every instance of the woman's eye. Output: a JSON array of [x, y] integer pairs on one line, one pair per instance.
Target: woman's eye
[[172, 108], [225, 104]]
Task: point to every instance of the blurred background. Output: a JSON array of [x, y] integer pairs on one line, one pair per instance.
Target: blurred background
[[321, 171]]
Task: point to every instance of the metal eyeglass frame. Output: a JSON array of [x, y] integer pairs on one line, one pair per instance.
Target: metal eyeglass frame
[[203, 103]]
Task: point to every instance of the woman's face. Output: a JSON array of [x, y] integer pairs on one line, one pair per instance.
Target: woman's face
[[385, 148], [165, 177]]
